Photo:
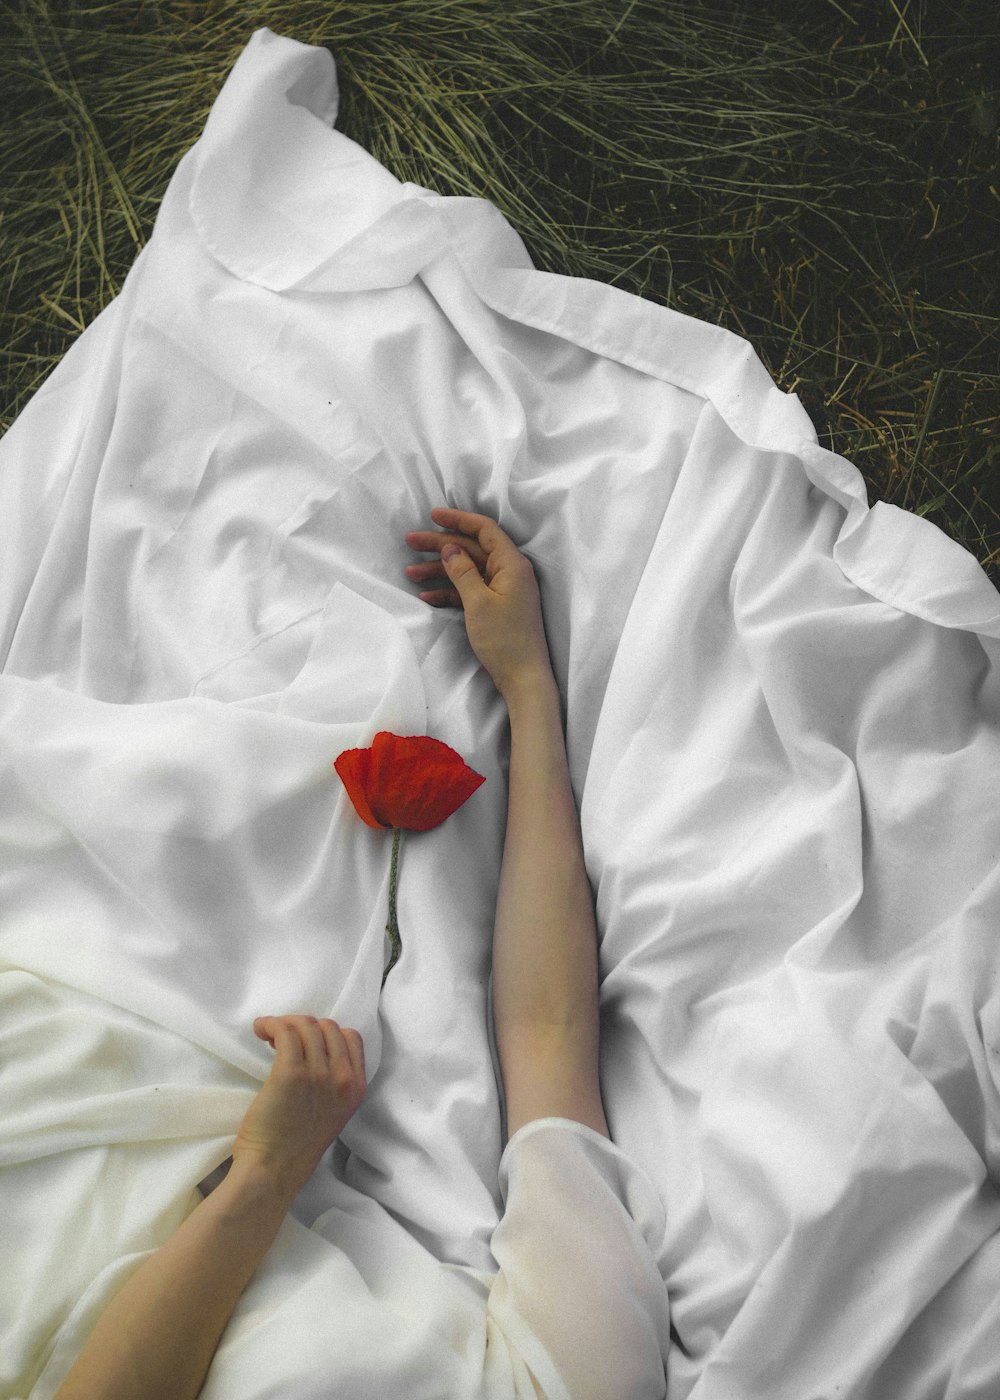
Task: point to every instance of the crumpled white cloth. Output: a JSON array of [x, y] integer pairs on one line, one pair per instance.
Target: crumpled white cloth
[[347, 1301], [782, 722]]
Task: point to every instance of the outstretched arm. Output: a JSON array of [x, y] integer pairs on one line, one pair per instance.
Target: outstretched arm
[[545, 972], [157, 1337]]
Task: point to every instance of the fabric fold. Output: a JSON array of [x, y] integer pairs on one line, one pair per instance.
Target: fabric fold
[[412, 225]]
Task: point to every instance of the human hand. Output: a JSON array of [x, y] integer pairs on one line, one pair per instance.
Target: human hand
[[316, 1084], [503, 615]]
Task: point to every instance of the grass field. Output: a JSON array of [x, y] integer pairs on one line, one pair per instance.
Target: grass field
[[827, 186]]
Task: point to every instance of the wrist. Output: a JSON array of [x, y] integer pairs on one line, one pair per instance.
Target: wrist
[[253, 1186], [531, 691]]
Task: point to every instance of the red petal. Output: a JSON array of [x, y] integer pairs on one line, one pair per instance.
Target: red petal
[[417, 781], [414, 783], [354, 767]]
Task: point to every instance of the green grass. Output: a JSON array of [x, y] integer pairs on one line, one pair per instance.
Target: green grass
[[829, 188]]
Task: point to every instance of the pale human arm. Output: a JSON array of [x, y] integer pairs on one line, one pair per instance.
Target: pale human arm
[[158, 1335], [545, 973]]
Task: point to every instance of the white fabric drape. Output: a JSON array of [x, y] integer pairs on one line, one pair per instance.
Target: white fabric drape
[[782, 723]]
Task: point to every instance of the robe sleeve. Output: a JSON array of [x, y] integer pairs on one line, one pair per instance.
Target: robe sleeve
[[578, 1292]]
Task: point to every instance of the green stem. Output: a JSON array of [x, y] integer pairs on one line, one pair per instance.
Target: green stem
[[391, 928]]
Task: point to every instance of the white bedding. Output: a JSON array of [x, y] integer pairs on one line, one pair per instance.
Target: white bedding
[[782, 721]]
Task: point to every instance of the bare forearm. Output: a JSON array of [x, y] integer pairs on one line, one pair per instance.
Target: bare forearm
[[156, 1338], [545, 976]]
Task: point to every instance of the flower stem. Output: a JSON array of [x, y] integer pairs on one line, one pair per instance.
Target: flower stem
[[391, 928]]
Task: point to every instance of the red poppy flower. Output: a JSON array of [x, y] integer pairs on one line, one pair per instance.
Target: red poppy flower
[[407, 784], [413, 783]]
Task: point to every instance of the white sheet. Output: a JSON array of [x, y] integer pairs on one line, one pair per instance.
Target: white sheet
[[782, 721]]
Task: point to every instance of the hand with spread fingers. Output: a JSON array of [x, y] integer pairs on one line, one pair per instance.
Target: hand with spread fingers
[[316, 1084], [495, 585]]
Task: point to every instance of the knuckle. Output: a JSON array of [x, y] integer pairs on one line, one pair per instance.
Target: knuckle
[[343, 1079]]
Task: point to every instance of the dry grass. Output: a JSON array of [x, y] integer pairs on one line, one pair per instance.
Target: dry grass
[[830, 191]]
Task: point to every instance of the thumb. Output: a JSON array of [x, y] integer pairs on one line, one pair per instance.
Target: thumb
[[461, 571]]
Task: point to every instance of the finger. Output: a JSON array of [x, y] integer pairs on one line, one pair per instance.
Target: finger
[[491, 538], [443, 598], [433, 541], [356, 1051], [286, 1042], [263, 1029], [467, 579], [314, 1044], [422, 573], [502, 555], [427, 573], [266, 1028], [341, 1062]]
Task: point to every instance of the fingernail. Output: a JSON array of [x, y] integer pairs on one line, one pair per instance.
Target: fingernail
[[449, 552]]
